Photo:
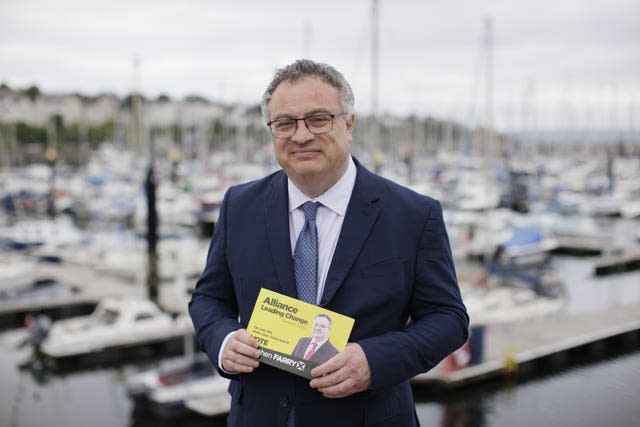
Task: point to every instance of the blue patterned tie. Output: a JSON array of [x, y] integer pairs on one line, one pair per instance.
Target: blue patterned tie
[[305, 264], [305, 257]]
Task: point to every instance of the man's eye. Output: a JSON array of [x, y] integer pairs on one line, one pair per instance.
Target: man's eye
[[285, 125], [317, 121]]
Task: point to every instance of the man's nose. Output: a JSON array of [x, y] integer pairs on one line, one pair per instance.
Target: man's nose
[[302, 134]]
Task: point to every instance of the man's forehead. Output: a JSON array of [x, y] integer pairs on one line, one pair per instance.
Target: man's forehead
[[307, 87]]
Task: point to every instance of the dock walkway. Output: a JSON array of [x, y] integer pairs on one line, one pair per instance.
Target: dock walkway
[[509, 346]]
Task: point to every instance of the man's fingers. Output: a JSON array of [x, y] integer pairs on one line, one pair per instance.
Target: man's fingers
[[341, 389], [243, 336], [331, 365], [240, 353], [239, 363], [243, 344], [343, 375]]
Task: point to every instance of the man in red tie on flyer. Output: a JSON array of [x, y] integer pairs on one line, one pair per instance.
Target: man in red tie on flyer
[[317, 348]]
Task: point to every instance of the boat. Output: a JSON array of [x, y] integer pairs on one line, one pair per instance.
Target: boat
[[33, 233], [490, 305], [44, 296], [507, 304], [526, 246], [166, 389], [17, 271], [210, 406], [115, 323], [176, 256], [630, 209]]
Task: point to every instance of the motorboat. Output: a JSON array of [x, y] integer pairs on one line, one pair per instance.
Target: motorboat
[[166, 389], [507, 304], [32, 233], [43, 296], [115, 323], [212, 405], [39, 291], [17, 271], [176, 256], [526, 246]]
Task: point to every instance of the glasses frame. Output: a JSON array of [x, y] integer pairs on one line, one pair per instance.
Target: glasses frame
[[304, 119]]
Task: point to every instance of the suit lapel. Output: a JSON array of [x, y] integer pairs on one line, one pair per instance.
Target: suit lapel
[[277, 219], [359, 219]]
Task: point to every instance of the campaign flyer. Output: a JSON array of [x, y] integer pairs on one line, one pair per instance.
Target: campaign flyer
[[294, 335]]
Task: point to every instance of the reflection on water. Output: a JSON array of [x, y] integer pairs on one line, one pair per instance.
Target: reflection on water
[[601, 393], [604, 393]]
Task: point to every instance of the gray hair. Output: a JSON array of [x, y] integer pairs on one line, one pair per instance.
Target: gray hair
[[304, 68]]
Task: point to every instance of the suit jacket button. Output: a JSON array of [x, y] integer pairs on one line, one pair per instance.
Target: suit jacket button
[[284, 402]]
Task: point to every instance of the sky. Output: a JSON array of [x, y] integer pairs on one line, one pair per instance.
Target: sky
[[551, 63]]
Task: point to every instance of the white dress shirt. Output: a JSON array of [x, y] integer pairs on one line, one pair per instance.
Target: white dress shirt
[[329, 219]]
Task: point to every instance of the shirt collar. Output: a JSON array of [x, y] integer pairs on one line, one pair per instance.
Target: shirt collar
[[335, 198]]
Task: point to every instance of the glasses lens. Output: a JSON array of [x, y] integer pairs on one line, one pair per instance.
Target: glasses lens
[[318, 124], [283, 128]]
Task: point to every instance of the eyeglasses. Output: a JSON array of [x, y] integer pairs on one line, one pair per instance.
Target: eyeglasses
[[316, 124]]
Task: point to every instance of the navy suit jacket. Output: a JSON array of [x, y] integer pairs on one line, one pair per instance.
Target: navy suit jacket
[[392, 271]]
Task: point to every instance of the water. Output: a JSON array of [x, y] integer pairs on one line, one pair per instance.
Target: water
[[601, 393]]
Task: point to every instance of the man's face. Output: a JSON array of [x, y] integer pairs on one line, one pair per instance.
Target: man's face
[[321, 328], [305, 156]]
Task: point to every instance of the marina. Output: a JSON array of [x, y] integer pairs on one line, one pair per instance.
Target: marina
[[537, 302]]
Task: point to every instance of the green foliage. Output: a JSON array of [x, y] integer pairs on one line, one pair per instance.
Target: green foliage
[[176, 132], [101, 133], [29, 134], [128, 100], [33, 93]]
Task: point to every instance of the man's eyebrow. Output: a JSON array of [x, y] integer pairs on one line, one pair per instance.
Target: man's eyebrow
[[307, 114]]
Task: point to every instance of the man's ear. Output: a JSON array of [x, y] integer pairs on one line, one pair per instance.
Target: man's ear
[[351, 121]]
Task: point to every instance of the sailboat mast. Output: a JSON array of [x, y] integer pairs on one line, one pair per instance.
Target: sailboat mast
[[374, 128], [374, 58], [488, 42]]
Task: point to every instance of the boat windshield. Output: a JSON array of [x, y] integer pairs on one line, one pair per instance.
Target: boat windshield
[[107, 317]]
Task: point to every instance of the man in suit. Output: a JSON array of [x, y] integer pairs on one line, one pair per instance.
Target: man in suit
[[382, 257], [317, 348]]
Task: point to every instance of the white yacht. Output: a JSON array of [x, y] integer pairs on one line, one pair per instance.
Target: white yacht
[[116, 322], [166, 389]]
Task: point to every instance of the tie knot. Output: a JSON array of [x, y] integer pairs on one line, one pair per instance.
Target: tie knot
[[310, 209]]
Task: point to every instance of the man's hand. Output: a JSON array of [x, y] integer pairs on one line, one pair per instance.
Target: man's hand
[[240, 353], [344, 374]]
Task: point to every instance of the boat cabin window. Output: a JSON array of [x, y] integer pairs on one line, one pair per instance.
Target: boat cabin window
[[144, 316], [108, 317]]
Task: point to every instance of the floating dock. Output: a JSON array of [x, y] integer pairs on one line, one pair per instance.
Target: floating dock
[[627, 259], [581, 246], [512, 347]]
